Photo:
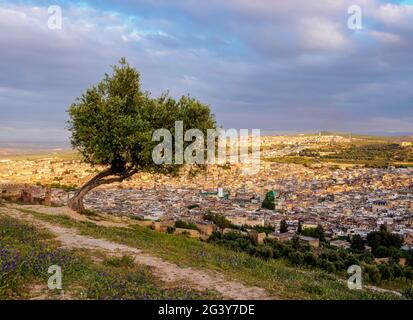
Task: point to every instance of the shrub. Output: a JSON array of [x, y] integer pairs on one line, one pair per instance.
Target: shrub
[[219, 220], [310, 259], [386, 272], [186, 225], [408, 272], [264, 252], [373, 273], [170, 230], [408, 293], [296, 258], [328, 266], [382, 252]]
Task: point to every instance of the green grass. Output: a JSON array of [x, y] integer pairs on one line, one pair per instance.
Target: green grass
[[276, 276], [26, 253], [124, 261]]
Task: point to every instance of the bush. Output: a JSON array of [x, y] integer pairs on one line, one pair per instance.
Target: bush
[[186, 225], [357, 243], [219, 220], [408, 293], [315, 233], [383, 238], [264, 252], [276, 253], [408, 272], [296, 258], [351, 261], [328, 266], [170, 230], [397, 270], [339, 265], [382, 252], [311, 259], [373, 273], [386, 272]]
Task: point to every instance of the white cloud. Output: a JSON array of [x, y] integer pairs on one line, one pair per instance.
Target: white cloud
[[320, 33], [386, 37], [396, 15], [256, 57]]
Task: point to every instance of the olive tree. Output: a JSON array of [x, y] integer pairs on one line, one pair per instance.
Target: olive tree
[[112, 123]]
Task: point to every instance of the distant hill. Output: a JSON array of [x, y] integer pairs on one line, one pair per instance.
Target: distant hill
[[8, 149], [380, 136]]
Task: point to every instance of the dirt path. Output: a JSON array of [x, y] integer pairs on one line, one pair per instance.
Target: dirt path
[[165, 271]]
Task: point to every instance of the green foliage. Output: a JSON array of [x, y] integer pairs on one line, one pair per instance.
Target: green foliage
[[328, 266], [372, 152], [296, 258], [357, 243], [331, 260], [372, 155], [283, 226], [381, 242], [315, 233], [124, 261], [262, 229], [386, 272], [186, 225], [382, 252], [112, 123], [219, 220], [170, 230], [408, 293], [91, 213], [136, 285], [373, 273], [273, 275], [26, 255], [310, 259], [299, 227]]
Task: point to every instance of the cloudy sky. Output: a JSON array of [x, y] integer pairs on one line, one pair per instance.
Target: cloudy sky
[[281, 66]]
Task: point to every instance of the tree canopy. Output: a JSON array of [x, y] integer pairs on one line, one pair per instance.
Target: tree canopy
[[283, 226], [112, 124], [383, 239]]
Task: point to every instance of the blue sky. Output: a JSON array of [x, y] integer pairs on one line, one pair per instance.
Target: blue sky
[[280, 66]]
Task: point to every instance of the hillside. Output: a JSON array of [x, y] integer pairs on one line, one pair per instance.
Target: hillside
[[195, 269]]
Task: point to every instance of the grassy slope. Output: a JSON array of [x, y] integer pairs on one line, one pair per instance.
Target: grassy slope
[[26, 253], [274, 275]]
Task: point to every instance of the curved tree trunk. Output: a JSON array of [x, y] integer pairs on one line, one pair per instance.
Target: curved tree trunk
[[76, 202]]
